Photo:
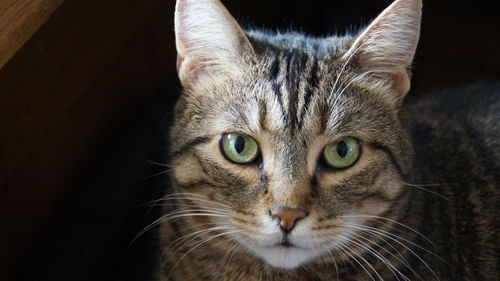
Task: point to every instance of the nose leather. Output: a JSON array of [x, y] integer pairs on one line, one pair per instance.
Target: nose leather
[[288, 216]]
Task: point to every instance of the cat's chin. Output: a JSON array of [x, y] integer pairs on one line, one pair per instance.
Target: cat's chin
[[284, 257]]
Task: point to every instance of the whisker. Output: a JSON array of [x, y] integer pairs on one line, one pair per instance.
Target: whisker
[[195, 247], [186, 206], [234, 251], [155, 163], [197, 209], [175, 215], [193, 197], [166, 255], [154, 175], [316, 238], [334, 263], [401, 259], [229, 253], [158, 164], [399, 237], [342, 70], [336, 106], [357, 77], [388, 235], [421, 187], [343, 249], [192, 236], [361, 257], [380, 257], [393, 221]]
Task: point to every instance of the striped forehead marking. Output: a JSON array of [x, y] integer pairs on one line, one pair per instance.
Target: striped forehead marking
[[294, 78]]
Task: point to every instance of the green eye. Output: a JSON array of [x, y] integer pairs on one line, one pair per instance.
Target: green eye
[[341, 154], [239, 148]]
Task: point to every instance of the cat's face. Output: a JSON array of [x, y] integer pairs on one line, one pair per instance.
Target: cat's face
[[287, 145]]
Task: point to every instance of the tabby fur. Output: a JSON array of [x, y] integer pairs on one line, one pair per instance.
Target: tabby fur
[[421, 202]]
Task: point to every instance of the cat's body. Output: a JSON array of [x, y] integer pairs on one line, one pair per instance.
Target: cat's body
[[456, 137], [293, 159]]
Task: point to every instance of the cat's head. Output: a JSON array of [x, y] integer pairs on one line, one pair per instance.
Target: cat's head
[[285, 144]]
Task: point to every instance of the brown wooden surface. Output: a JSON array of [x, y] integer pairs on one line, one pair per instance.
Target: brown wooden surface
[[19, 19], [62, 96]]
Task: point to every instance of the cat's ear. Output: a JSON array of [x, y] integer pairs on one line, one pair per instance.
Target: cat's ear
[[208, 39], [384, 50]]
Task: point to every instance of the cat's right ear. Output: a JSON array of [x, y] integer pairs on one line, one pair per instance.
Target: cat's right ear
[[385, 50], [208, 39]]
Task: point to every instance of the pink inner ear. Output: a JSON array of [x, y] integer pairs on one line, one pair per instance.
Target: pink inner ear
[[208, 39], [189, 68], [401, 82]]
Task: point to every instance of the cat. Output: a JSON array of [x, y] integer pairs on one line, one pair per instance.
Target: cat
[[298, 158]]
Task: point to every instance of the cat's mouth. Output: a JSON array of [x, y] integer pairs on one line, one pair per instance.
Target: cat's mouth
[[285, 243], [284, 254]]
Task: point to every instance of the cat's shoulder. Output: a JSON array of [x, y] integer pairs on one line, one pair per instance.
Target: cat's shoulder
[[479, 99], [453, 122], [476, 105]]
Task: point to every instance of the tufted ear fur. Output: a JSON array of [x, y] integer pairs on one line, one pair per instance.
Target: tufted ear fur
[[208, 39], [385, 49]]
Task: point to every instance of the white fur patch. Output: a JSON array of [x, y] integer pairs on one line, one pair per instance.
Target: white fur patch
[[284, 257]]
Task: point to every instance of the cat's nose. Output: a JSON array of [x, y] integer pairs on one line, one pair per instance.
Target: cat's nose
[[288, 217]]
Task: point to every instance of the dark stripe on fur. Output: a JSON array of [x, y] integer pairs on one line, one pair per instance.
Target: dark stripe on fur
[[274, 70], [194, 184], [393, 160], [312, 84], [277, 93], [188, 146], [382, 196], [263, 115], [296, 63], [273, 78], [324, 112], [292, 89]]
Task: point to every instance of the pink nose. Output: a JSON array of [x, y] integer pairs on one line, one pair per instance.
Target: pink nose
[[288, 216]]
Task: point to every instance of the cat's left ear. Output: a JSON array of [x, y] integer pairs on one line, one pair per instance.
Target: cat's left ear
[[208, 40], [384, 51]]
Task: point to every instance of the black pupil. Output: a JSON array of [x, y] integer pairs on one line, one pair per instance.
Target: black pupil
[[342, 149], [240, 144]]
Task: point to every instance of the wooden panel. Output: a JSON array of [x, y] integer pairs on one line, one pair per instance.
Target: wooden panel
[[19, 19], [63, 96]]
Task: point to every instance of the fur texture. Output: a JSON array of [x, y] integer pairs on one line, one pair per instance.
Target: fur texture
[[294, 95]]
